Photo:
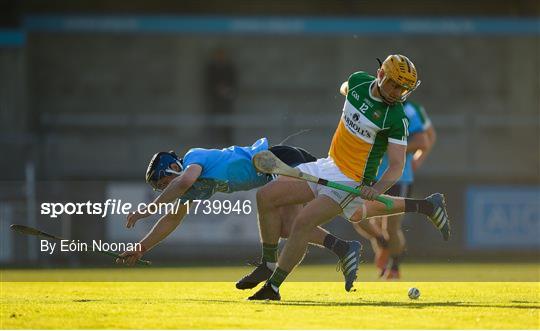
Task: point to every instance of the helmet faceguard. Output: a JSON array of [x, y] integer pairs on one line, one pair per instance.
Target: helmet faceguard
[[400, 70], [160, 166]]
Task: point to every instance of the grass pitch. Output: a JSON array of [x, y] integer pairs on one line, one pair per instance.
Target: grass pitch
[[304, 305]]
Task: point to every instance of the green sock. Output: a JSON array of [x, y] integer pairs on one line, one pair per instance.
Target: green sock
[[278, 277], [269, 252]]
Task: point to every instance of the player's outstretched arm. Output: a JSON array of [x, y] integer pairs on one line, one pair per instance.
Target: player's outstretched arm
[[163, 227], [176, 188]]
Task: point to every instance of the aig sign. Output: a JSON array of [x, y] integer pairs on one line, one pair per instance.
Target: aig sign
[[503, 217]]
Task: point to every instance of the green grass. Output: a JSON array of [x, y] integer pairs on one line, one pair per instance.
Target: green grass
[[502, 303], [426, 272]]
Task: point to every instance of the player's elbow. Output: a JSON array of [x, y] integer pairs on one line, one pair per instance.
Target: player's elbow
[[423, 144], [419, 141], [431, 136], [181, 185], [344, 89]]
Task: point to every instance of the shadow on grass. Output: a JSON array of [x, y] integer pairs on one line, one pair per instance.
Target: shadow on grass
[[412, 304]]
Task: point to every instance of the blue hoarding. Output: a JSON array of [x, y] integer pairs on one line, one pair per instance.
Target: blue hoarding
[[503, 217], [340, 26], [12, 38]]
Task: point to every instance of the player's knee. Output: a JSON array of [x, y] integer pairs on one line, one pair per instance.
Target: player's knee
[[269, 197], [263, 199]]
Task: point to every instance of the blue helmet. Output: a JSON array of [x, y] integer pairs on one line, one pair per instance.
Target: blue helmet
[[160, 166]]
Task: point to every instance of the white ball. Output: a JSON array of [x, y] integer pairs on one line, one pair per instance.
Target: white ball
[[414, 293]]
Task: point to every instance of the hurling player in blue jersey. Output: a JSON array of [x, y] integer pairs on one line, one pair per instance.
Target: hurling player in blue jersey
[[203, 172], [385, 233]]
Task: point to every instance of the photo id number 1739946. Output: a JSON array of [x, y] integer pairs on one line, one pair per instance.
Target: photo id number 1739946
[[217, 207]]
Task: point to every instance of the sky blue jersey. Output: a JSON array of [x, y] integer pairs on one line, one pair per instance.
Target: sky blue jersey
[[418, 122], [224, 170]]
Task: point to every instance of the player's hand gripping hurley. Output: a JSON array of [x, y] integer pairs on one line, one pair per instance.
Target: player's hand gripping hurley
[[268, 163]]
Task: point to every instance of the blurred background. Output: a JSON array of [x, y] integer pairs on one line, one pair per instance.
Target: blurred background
[[89, 90]]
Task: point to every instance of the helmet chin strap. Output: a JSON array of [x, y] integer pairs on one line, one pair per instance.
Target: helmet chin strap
[[171, 171]]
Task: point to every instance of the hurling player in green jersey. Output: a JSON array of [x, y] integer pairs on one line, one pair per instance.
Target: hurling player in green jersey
[[373, 122]]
